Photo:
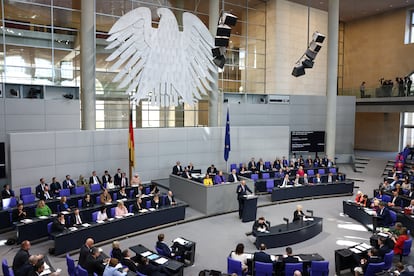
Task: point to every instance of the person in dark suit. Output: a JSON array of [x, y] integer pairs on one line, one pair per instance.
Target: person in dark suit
[[138, 205], [7, 192], [233, 176], [252, 165], [169, 200], [87, 201], [289, 258], [116, 250], [177, 169], [396, 200], [106, 178], [160, 244], [124, 180], [372, 258], [68, 183], [76, 218], [39, 191], [128, 262], [212, 170], [94, 179], [55, 187], [117, 177], [19, 213], [147, 268], [383, 215], [241, 192], [383, 247], [298, 213], [186, 174], [262, 256], [59, 224], [94, 263], [85, 251], [190, 167], [260, 225]]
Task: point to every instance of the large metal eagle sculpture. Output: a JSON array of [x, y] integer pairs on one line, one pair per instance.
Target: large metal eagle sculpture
[[163, 65]]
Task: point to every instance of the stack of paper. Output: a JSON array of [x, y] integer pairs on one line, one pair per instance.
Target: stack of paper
[[161, 260]]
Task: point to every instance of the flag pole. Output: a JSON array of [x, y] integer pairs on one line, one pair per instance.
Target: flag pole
[[131, 142], [227, 147]]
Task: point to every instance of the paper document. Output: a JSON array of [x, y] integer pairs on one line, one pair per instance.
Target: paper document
[[180, 241], [143, 210], [85, 224], [356, 251], [26, 220], [151, 209], [43, 217], [161, 260], [146, 253]]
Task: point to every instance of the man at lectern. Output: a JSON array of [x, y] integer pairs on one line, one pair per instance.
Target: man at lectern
[[241, 192]]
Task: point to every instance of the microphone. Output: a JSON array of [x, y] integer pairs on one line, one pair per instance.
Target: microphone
[[310, 212], [287, 222]]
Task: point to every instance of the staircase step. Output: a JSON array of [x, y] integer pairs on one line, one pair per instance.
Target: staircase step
[[362, 158], [356, 179], [360, 167]]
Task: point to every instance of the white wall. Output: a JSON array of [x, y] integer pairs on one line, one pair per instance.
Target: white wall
[[286, 42], [48, 154]]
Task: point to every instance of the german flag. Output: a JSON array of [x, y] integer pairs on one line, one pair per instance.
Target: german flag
[[131, 142]]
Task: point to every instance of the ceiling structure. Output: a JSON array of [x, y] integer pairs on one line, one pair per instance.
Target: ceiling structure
[[356, 9]]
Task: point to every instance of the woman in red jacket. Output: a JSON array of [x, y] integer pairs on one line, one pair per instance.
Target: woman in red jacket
[[399, 242]]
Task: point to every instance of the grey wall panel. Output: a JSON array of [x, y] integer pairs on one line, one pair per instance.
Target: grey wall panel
[[31, 141], [25, 123], [75, 170], [114, 152], [62, 122], [68, 155], [33, 158], [146, 136], [172, 134], [31, 176], [63, 107], [70, 139], [25, 106], [111, 137]]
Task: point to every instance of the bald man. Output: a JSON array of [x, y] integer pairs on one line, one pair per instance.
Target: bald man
[[85, 251]]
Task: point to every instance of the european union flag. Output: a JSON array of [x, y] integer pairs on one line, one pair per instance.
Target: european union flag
[[227, 137]]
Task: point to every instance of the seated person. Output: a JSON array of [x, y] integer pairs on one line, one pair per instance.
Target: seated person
[[106, 178], [102, 216], [105, 197], [260, 225], [155, 202], [59, 224], [365, 202], [76, 218], [42, 209], [19, 213], [399, 242], [372, 258], [190, 167], [383, 215], [212, 171], [122, 193], [111, 269], [262, 256], [116, 250], [138, 205], [289, 258], [169, 200], [233, 176], [186, 174], [383, 247], [304, 180], [160, 244], [6, 192], [298, 214], [154, 189], [147, 268], [396, 201], [208, 181], [55, 187], [239, 255], [120, 209], [296, 182], [87, 201], [286, 182], [128, 262], [317, 179], [243, 169], [63, 205], [219, 178], [136, 180]]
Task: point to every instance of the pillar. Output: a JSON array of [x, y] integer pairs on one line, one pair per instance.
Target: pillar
[[331, 86], [88, 65], [213, 103]]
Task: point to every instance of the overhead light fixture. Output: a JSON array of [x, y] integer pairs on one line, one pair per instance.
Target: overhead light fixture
[[307, 59]]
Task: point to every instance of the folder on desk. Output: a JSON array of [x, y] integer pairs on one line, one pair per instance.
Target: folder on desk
[[153, 257], [161, 260], [146, 253]]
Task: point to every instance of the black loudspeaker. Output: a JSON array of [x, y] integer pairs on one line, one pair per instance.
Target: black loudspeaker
[[229, 19], [223, 30], [222, 41], [298, 71]]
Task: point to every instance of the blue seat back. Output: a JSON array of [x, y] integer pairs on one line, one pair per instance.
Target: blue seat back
[[290, 268], [265, 175], [82, 271], [49, 229], [147, 190], [64, 192], [270, 184], [332, 170], [233, 166], [25, 191], [310, 172], [13, 202], [321, 171], [131, 193], [27, 199], [79, 190], [388, 259], [407, 247], [386, 198], [254, 176], [319, 268], [148, 204], [113, 212], [71, 265], [5, 267], [95, 216], [393, 215], [95, 188], [268, 165], [130, 208], [263, 269], [374, 268], [80, 203], [114, 196], [234, 266]]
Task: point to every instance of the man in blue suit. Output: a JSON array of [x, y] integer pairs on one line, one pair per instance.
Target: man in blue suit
[[383, 215], [241, 192], [68, 183], [262, 256]]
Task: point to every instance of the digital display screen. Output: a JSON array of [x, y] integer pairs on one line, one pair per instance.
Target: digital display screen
[[307, 141]]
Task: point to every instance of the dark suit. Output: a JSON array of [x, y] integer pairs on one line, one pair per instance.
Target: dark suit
[[117, 179], [137, 207], [164, 248], [262, 257], [57, 226], [106, 178], [241, 192], [384, 217], [66, 183], [397, 201], [233, 178], [39, 191], [383, 250], [73, 219], [125, 180], [21, 257], [297, 215], [212, 170], [54, 188], [92, 182], [93, 265], [290, 259], [177, 170], [130, 264], [7, 194], [83, 254], [186, 175], [169, 201], [117, 253]]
